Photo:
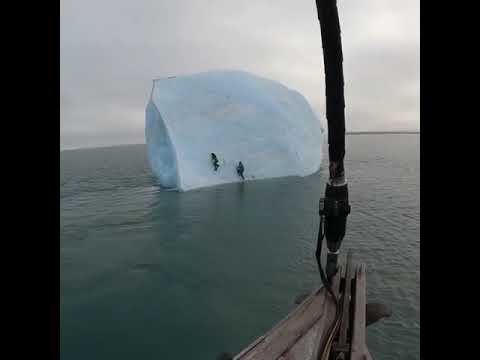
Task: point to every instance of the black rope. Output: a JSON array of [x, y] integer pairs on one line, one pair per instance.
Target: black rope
[[327, 284], [318, 254]]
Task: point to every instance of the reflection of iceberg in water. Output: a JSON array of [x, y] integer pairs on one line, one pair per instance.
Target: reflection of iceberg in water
[[237, 116]]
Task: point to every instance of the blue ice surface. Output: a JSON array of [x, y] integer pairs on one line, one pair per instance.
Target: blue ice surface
[[239, 117]]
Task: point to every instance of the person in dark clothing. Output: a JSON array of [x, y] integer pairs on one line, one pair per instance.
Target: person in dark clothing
[[240, 170], [215, 162]]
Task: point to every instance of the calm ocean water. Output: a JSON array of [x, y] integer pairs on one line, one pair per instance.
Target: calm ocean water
[[152, 274]]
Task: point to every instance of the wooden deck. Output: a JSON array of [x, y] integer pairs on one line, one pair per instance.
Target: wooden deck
[[299, 335]]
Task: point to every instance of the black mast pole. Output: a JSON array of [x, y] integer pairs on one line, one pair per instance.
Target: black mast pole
[[334, 207], [334, 85]]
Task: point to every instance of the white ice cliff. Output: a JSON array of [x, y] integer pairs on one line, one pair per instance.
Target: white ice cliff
[[236, 115]]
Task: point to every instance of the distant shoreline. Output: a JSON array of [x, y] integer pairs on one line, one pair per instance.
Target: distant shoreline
[[100, 147], [380, 132]]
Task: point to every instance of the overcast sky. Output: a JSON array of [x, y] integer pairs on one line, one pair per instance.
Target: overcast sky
[[112, 49]]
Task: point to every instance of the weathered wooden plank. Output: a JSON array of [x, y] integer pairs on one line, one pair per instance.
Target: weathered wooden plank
[[342, 337], [306, 347], [249, 347], [336, 280], [297, 335], [282, 336], [359, 345], [329, 313]]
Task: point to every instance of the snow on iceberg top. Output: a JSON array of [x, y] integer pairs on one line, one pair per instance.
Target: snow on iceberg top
[[238, 116]]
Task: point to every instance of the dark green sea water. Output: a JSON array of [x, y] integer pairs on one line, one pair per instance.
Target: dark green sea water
[[152, 274]]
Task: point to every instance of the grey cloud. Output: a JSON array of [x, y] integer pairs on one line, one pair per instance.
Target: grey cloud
[[111, 51]]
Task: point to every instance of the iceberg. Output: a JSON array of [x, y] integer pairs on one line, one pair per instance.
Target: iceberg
[[236, 115]]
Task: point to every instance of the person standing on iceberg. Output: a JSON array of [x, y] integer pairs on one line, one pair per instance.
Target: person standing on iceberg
[[215, 162], [240, 170]]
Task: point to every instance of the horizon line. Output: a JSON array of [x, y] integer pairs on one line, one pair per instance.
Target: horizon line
[[346, 133]]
